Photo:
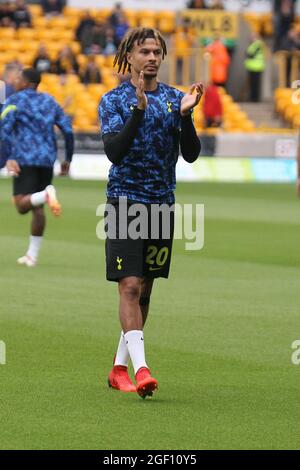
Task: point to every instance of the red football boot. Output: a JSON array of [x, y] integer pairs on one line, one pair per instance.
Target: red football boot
[[145, 384], [120, 380]]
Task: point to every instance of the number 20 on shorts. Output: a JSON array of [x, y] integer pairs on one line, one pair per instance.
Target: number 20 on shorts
[[157, 257]]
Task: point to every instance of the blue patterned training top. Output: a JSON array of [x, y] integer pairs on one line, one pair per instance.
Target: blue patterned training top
[[147, 172], [27, 128]]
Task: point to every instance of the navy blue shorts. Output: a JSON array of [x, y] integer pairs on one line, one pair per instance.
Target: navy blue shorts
[[32, 179]]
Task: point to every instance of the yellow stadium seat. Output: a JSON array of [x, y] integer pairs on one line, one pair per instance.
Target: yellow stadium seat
[[7, 33], [291, 111], [221, 91], [102, 14], [40, 22], [247, 126], [59, 22], [90, 108], [35, 10], [76, 47], [282, 92], [281, 104], [96, 88], [26, 58], [100, 61], [226, 99], [79, 89], [94, 12], [73, 22], [96, 91], [110, 81], [49, 78], [72, 79], [82, 60], [53, 45], [4, 58], [73, 12], [30, 45], [43, 88], [267, 24], [82, 97], [296, 121], [65, 36], [81, 119], [9, 56], [26, 33], [15, 45], [109, 61], [46, 35], [132, 18], [147, 18]]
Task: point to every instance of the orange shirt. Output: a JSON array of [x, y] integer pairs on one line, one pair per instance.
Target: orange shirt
[[220, 61]]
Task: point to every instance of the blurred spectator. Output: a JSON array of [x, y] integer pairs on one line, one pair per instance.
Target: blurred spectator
[[42, 61], [283, 17], [220, 61], [290, 42], [196, 4], [10, 74], [110, 47], [91, 73], [87, 22], [16, 62], [212, 106], [6, 14], [255, 65], [116, 15], [121, 28], [21, 15], [66, 62], [52, 7], [93, 39]]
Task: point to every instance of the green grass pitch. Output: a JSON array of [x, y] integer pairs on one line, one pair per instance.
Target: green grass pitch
[[218, 338]]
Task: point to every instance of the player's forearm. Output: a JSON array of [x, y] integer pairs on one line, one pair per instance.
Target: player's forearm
[[5, 149], [69, 140], [189, 142], [116, 145]]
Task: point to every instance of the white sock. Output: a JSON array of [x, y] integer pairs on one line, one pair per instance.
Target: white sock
[[135, 344], [122, 356], [34, 247], [37, 199]]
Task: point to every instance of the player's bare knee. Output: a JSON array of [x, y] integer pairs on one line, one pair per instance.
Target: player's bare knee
[[130, 289], [21, 210]]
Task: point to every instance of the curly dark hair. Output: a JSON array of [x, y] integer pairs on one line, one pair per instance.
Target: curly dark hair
[[126, 45]]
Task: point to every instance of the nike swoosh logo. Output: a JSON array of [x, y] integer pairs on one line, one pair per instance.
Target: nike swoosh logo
[[153, 269]]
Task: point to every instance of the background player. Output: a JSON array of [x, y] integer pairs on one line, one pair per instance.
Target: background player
[[29, 149], [143, 122]]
